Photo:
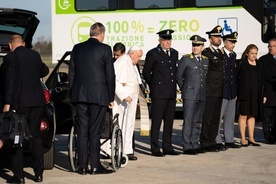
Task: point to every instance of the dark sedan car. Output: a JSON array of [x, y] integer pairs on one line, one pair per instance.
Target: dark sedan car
[[58, 86], [24, 23]]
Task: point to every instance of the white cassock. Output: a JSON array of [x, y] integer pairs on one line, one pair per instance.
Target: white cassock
[[127, 84]]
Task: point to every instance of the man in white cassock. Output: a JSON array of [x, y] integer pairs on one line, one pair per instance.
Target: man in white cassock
[[126, 95]]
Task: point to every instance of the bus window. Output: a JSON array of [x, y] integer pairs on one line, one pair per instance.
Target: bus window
[[88, 5], [269, 20], [151, 4], [205, 3]]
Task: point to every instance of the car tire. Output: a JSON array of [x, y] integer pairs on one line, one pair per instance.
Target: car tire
[[49, 158]]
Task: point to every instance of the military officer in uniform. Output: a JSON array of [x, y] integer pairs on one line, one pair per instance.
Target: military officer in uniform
[[214, 92], [190, 77], [227, 112], [160, 74]]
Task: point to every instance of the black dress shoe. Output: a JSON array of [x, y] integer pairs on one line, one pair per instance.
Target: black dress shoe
[[190, 152], [244, 144], [131, 157], [221, 147], [200, 150], [157, 154], [100, 170], [211, 149], [232, 145], [253, 143], [83, 171], [171, 153], [38, 178], [16, 180]]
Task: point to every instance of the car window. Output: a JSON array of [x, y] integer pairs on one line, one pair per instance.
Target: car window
[[14, 29], [62, 76]]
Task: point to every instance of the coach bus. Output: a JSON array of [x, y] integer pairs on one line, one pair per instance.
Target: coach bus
[[136, 22]]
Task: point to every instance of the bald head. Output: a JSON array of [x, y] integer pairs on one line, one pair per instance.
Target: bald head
[[16, 41]]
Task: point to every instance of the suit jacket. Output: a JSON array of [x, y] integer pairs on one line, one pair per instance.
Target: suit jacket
[[160, 73], [216, 73], [269, 67], [23, 70], [191, 77], [91, 73]]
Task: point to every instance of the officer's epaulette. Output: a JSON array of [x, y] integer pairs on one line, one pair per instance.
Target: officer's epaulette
[[222, 50], [188, 55], [204, 57]]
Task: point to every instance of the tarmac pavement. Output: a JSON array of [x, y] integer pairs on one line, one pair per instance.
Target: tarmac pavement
[[254, 165]]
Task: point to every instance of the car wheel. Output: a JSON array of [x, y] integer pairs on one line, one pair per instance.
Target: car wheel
[[49, 158]]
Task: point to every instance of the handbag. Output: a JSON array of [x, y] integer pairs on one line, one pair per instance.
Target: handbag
[[14, 128]]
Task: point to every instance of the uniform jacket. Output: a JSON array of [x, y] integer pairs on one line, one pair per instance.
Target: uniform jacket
[[269, 67], [127, 82], [160, 73], [230, 90], [216, 73], [191, 77], [91, 73], [23, 70]]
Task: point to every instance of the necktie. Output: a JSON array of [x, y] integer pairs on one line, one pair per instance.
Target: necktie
[[198, 58], [231, 55], [167, 52]]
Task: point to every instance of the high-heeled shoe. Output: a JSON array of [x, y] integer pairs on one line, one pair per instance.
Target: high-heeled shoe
[[253, 143], [244, 145]]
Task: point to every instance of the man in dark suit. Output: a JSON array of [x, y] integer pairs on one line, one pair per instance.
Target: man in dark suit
[[23, 93], [191, 77], [268, 62], [159, 72], [92, 86], [227, 113], [214, 92]]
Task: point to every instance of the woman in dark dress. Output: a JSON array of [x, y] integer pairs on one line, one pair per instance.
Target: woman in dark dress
[[250, 86]]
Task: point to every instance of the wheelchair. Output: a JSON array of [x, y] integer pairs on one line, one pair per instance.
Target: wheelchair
[[112, 133]]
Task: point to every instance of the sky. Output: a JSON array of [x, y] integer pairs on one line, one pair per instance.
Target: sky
[[43, 10]]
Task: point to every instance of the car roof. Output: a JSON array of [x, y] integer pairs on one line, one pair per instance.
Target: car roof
[[17, 21]]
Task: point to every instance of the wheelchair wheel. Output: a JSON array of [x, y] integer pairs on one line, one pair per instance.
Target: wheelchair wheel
[[124, 160], [116, 148], [72, 149]]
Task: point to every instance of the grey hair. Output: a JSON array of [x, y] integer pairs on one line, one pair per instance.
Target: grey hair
[[96, 29]]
